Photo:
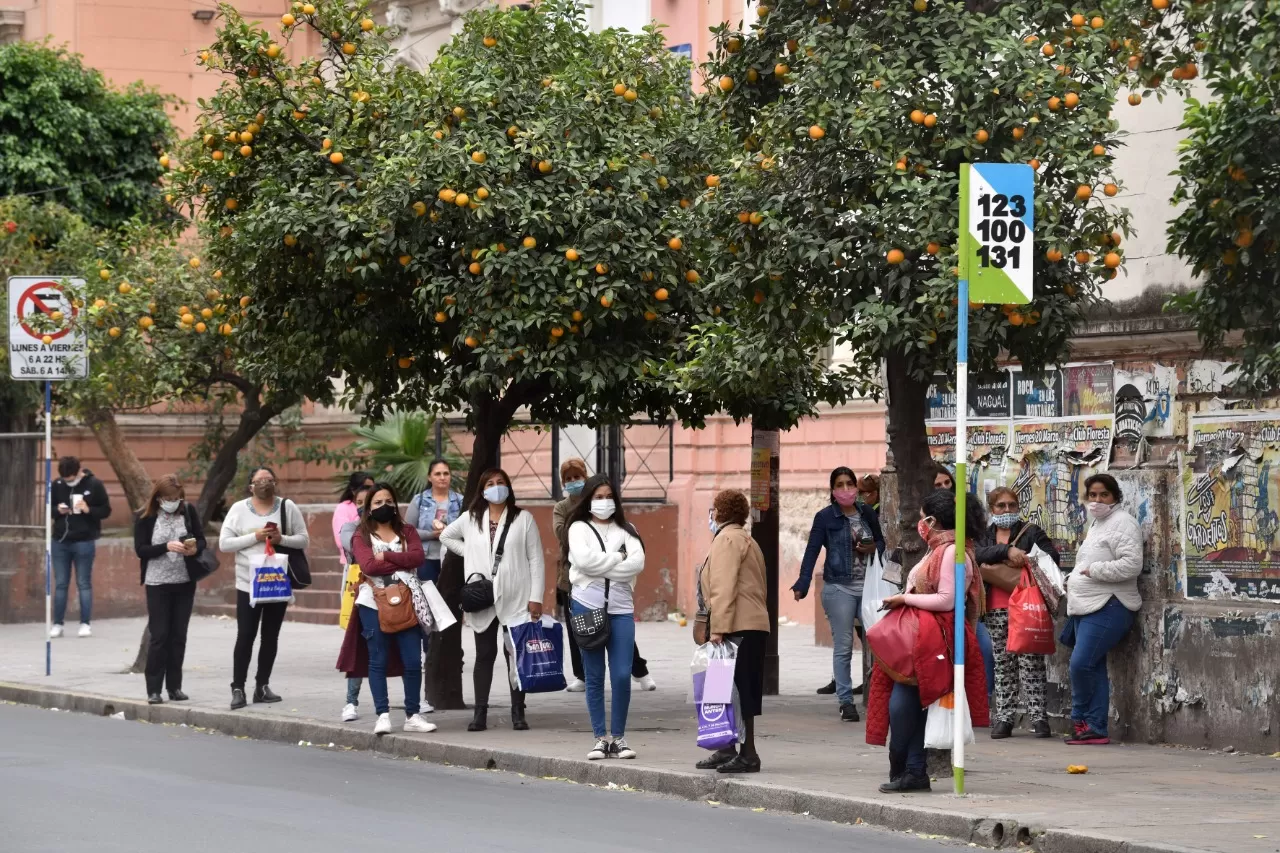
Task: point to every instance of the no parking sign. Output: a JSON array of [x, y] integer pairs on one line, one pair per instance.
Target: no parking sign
[[40, 309]]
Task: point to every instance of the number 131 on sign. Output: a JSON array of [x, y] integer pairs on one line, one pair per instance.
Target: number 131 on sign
[[997, 231]]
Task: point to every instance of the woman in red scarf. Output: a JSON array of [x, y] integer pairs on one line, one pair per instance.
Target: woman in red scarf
[[931, 589]]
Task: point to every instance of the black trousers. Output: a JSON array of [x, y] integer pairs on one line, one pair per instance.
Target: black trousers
[[168, 615], [271, 617], [486, 655], [639, 666]]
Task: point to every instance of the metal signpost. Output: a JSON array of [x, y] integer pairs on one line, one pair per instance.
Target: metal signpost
[[45, 347], [997, 234]]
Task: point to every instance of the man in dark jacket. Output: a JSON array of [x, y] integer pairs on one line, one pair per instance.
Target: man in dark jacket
[[79, 505]]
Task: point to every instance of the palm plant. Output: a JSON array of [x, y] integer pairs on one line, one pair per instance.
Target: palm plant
[[399, 451]]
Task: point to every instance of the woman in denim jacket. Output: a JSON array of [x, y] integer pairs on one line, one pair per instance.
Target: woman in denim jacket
[[850, 533]]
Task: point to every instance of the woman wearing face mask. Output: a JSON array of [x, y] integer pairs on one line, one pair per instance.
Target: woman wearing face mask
[[348, 510], [850, 533], [167, 539], [498, 542], [249, 525], [351, 711], [430, 512], [1102, 596], [573, 476], [900, 710], [1006, 545], [388, 551], [605, 558]]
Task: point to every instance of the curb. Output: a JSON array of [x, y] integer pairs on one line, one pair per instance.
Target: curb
[[992, 832]]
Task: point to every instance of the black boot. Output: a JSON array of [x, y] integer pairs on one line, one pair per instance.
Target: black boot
[[178, 696], [518, 721], [263, 693], [897, 766], [237, 698], [479, 720]]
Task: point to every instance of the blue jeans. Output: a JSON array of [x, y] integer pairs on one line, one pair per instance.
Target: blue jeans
[[988, 656], [1096, 634], [842, 607], [620, 648], [906, 729], [353, 690], [409, 645], [63, 554]]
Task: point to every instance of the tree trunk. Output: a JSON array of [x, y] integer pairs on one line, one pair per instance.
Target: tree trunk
[[443, 675], [909, 459], [129, 470], [222, 471]]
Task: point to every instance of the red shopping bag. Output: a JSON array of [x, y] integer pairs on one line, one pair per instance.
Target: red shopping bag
[[893, 642], [1030, 622]]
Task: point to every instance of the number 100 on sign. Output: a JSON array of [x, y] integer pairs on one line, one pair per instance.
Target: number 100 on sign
[[997, 231]]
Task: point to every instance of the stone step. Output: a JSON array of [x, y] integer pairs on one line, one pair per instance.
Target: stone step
[[318, 599]]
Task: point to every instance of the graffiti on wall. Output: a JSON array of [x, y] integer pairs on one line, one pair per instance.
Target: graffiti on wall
[[1144, 401], [1231, 500]]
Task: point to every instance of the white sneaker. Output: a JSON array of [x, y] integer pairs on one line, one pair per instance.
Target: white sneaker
[[55, 632], [85, 630], [576, 685], [426, 708], [599, 751], [350, 713], [383, 726], [621, 750], [417, 724], [647, 683]]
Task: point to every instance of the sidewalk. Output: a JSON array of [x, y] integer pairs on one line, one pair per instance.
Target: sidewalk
[[1134, 798]]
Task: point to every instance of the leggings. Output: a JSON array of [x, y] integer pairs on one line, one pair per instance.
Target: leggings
[[271, 617], [486, 655]]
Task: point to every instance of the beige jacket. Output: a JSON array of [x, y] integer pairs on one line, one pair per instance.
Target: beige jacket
[[560, 515], [733, 583]]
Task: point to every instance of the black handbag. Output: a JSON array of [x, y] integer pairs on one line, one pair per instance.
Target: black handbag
[[591, 628], [299, 567], [205, 563], [477, 592]]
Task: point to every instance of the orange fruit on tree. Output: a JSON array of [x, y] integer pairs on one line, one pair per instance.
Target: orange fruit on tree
[[336, 158], [1019, 132], [1096, 22], [577, 316], [675, 244], [933, 248], [692, 276], [146, 322], [1135, 99], [1053, 256], [606, 301], [545, 167], [781, 69], [1048, 50], [712, 181], [201, 328], [1244, 238], [895, 256], [876, 84], [490, 41], [474, 268], [630, 96], [471, 342], [917, 116], [404, 362], [1077, 20], [1055, 103], [217, 155], [419, 208], [1071, 99], [744, 217], [931, 120], [650, 316], [1160, 5], [1084, 192], [816, 132], [478, 157], [981, 137], [756, 218], [462, 199], [348, 48], [758, 297], [529, 242], [245, 150], [1110, 190], [1111, 260], [619, 89], [1083, 257], [114, 332], [441, 317], [1034, 164], [661, 294], [602, 269], [206, 313], [557, 332], [447, 195], [571, 255], [1016, 319], [1099, 150], [726, 83]]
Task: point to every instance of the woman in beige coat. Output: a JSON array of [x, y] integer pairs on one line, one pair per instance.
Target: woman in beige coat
[[731, 606]]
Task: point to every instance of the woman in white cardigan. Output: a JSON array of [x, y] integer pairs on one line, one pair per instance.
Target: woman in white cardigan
[[1102, 597], [605, 558], [517, 582]]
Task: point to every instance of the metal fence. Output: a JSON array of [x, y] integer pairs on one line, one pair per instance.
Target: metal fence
[[21, 482]]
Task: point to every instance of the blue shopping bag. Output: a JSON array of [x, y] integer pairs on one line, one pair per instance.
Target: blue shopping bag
[[270, 581], [536, 651]]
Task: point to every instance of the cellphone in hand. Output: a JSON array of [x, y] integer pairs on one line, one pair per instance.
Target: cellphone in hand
[[271, 525], [190, 542]]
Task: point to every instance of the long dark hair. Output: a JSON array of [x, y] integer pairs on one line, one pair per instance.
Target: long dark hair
[[479, 504], [843, 470], [354, 482], [368, 525], [581, 510], [941, 506]]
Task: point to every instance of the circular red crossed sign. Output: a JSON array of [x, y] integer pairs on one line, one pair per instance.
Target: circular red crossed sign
[[40, 297]]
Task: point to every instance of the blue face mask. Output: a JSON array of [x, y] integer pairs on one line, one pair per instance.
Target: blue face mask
[[575, 488], [1005, 519], [497, 494]]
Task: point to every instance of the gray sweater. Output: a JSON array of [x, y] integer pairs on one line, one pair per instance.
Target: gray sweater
[[238, 535]]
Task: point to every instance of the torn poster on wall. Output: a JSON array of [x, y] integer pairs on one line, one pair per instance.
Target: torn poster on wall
[[988, 443], [1231, 495], [988, 398], [1144, 401], [1087, 389], [1047, 466]]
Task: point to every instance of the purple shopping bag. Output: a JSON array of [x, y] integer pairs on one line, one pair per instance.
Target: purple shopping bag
[[718, 687], [717, 724]]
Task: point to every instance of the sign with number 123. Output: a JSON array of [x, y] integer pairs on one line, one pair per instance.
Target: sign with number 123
[[997, 231]]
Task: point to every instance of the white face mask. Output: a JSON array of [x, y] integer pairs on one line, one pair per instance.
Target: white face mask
[[170, 506], [602, 508], [711, 523], [1100, 510]]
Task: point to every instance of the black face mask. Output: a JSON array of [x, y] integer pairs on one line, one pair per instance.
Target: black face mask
[[383, 514]]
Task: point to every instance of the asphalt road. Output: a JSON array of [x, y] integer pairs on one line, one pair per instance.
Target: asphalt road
[[71, 783]]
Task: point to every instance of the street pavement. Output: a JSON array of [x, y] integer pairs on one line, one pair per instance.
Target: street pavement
[[72, 783], [1164, 797]]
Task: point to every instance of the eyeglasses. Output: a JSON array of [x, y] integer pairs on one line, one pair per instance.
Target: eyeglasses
[[264, 482], [1009, 505]]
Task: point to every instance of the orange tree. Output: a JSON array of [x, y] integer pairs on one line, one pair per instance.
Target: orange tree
[[852, 120], [1229, 183], [515, 228]]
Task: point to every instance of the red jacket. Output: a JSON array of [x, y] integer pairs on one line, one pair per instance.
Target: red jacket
[[934, 673], [353, 658]]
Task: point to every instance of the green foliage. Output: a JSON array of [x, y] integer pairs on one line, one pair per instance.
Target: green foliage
[[400, 449], [821, 96], [64, 133], [370, 268], [1229, 185]]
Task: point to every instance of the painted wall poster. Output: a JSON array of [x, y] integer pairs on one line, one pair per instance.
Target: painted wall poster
[[988, 398], [1047, 466], [1037, 395], [988, 443], [1087, 390], [1144, 401], [1231, 495]]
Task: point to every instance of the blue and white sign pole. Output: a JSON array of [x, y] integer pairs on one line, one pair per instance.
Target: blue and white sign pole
[[997, 235]]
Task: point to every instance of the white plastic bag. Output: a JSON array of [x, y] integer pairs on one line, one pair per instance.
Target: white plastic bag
[[706, 657], [938, 731], [442, 616], [1052, 573], [875, 589]]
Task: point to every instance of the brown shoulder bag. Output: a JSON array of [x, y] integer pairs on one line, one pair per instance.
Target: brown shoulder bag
[[395, 606]]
